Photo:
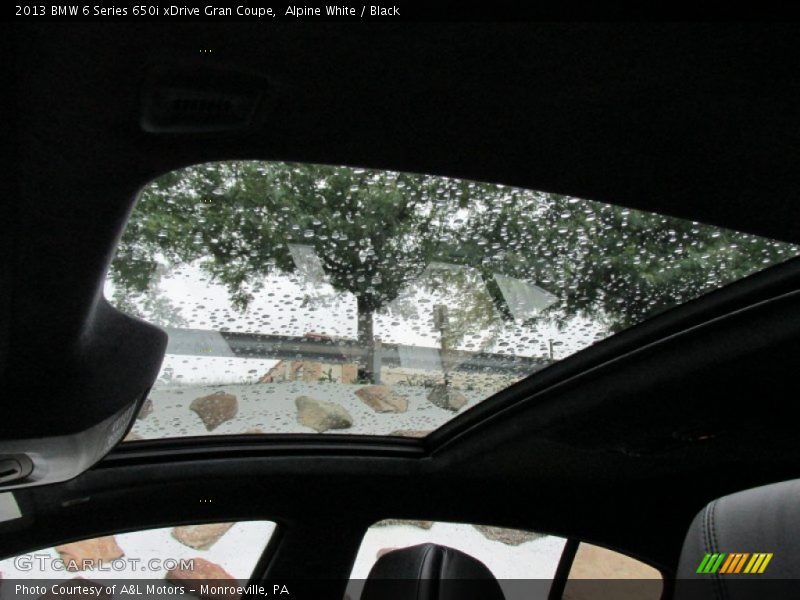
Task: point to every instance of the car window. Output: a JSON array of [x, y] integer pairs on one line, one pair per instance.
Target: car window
[[515, 557], [303, 298], [175, 555], [597, 573], [525, 563]]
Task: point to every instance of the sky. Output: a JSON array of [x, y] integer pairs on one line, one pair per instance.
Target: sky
[[294, 305]]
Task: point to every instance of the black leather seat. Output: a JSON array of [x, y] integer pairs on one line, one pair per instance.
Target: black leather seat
[[757, 523], [430, 572]]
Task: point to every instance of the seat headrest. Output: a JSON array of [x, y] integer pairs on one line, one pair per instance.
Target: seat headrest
[[430, 572], [742, 546]]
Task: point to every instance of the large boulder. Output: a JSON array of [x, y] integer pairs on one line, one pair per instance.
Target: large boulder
[[382, 399], [80, 556], [444, 396], [321, 415], [200, 537], [509, 537], [215, 409]]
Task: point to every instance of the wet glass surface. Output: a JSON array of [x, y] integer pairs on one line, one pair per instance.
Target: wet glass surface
[[302, 298]]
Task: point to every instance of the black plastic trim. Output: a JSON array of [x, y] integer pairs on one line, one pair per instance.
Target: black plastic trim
[[562, 571], [244, 446], [765, 285]]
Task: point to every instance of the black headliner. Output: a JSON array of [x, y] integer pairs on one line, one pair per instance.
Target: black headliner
[[696, 121]]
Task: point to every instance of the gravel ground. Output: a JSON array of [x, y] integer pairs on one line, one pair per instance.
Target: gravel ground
[[271, 408]]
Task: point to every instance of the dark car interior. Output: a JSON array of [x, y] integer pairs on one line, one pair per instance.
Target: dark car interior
[[619, 445]]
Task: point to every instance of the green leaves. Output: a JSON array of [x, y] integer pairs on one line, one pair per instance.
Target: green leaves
[[375, 233]]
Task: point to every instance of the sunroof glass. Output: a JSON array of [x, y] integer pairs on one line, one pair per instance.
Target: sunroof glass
[[302, 298]]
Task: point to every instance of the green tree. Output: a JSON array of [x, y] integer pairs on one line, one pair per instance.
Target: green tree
[[609, 263], [376, 232], [373, 231]]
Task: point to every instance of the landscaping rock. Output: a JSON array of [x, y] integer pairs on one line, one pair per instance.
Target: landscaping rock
[[415, 433], [382, 399], [446, 397], [410, 522], [509, 537], [320, 415], [79, 556], [215, 409], [200, 537]]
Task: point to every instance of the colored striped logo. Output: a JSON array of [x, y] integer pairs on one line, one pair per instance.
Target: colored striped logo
[[734, 563]]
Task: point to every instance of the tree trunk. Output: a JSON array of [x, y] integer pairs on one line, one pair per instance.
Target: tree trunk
[[366, 340]]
